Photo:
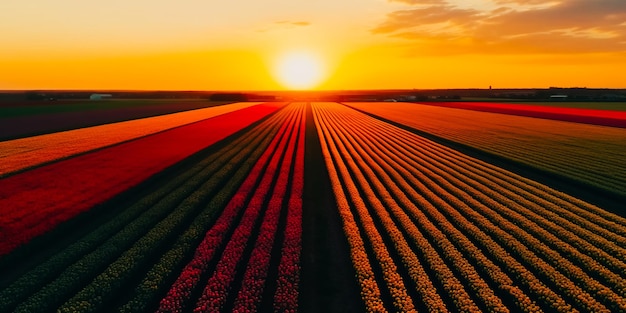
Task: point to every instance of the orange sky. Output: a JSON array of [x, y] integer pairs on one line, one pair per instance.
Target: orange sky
[[363, 44]]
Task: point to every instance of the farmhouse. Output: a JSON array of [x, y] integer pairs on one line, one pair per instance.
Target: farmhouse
[[99, 96]]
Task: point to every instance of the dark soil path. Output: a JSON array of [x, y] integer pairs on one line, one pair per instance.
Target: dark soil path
[[328, 281]]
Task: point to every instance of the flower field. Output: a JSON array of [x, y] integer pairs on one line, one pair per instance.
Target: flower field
[[28, 152], [214, 212], [590, 154], [578, 115]]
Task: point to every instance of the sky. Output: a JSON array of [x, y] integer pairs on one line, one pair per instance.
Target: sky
[[359, 44]]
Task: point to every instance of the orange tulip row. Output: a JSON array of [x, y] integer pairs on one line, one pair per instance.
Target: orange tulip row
[[383, 161], [540, 211], [508, 202], [575, 210], [429, 191]]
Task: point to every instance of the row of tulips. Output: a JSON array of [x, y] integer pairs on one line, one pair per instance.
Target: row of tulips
[[389, 155], [255, 276], [578, 115], [586, 153], [38, 200], [19, 154], [369, 287], [564, 265], [220, 284], [378, 171], [601, 292], [401, 301], [597, 241], [473, 225], [286, 294], [249, 198], [54, 281], [158, 279], [570, 212]]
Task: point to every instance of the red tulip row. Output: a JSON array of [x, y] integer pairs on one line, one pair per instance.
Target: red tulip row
[[122, 247], [23, 153], [369, 288], [579, 115], [179, 294], [255, 276], [36, 201], [218, 287], [286, 295]]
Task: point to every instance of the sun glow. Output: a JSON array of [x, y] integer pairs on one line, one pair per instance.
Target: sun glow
[[299, 70]]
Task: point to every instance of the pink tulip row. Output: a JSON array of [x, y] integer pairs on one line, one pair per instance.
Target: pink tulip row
[[218, 287], [255, 276], [286, 295], [178, 295]]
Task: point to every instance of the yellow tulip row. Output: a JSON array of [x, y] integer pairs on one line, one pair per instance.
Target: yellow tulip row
[[370, 290], [456, 122], [445, 171], [587, 153], [505, 205], [382, 160], [451, 285], [421, 210], [418, 180]]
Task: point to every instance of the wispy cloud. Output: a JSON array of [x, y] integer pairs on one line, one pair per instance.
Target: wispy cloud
[[294, 23], [510, 26]]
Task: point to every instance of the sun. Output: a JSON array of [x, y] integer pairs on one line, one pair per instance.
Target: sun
[[299, 70]]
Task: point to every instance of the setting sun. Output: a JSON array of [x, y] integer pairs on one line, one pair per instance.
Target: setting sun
[[299, 70]]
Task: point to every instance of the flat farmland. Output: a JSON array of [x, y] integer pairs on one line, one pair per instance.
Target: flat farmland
[[29, 118], [589, 154], [314, 207]]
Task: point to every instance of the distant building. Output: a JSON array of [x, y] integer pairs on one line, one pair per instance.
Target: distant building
[[558, 97], [99, 96]]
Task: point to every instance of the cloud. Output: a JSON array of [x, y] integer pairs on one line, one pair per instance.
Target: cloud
[[510, 26], [294, 23]]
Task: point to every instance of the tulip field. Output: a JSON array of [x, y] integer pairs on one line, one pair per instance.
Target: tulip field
[[314, 207]]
